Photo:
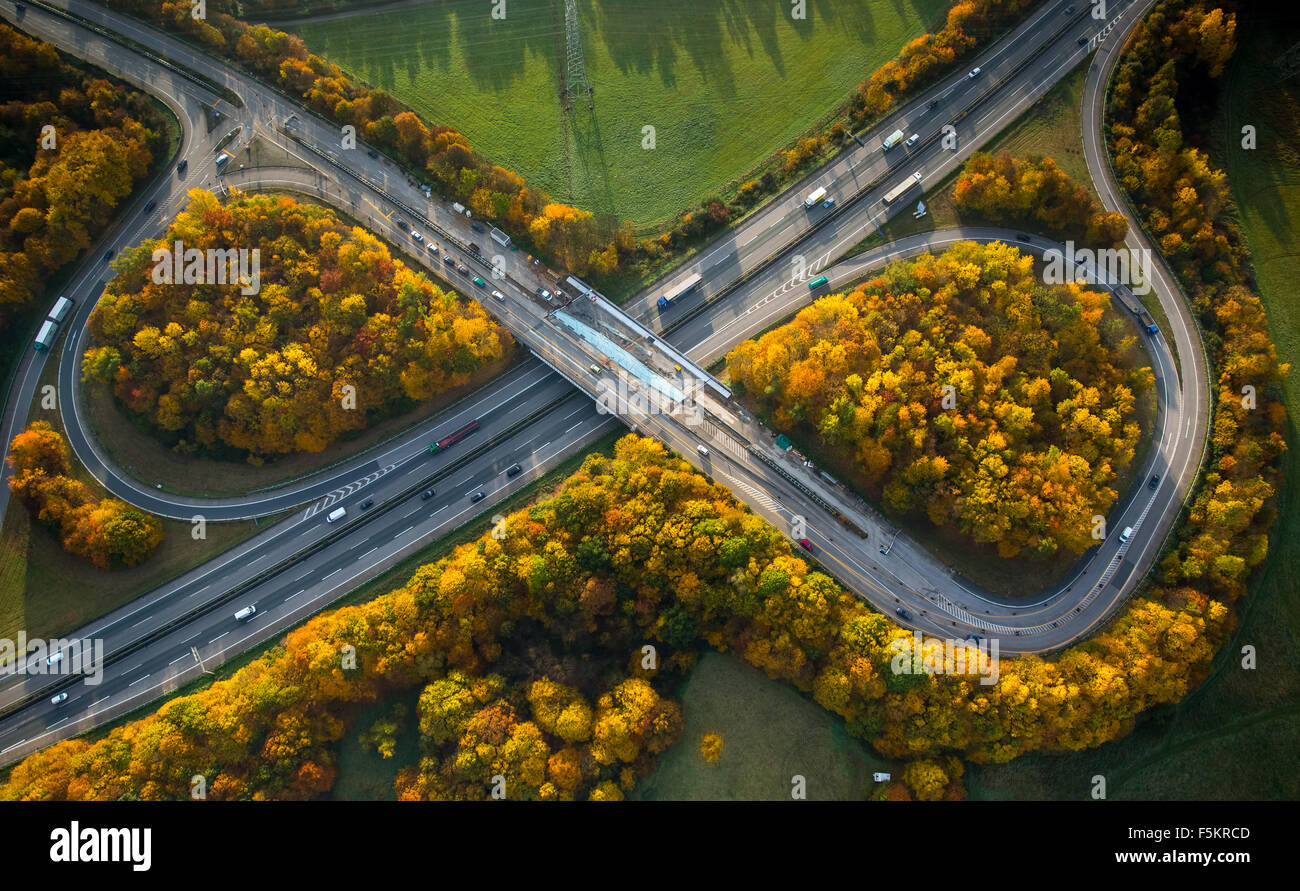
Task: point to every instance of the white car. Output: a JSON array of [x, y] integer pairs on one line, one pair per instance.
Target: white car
[[59, 699], [911, 140], [974, 73], [498, 295]]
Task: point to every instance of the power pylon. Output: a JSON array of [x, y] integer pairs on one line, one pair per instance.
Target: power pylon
[[575, 69]]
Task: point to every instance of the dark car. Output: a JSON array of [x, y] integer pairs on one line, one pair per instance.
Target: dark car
[[514, 470], [1023, 237], [372, 153], [903, 614], [1083, 41], [463, 270], [150, 206], [108, 256], [400, 224], [181, 167], [475, 248], [448, 261], [1155, 482], [932, 104], [427, 494], [477, 227], [367, 504], [477, 497]]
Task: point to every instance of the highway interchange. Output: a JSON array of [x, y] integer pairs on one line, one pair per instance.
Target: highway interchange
[[753, 276]]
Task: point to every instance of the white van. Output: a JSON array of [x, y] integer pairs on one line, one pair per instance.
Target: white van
[[1126, 535], [246, 613], [458, 207], [62, 307], [337, 514]]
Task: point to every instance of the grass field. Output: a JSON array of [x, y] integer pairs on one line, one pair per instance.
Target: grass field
[[725, 85], [1236, 736], [769, 734]]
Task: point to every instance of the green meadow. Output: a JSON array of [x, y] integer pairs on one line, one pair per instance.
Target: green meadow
[[723, 84]]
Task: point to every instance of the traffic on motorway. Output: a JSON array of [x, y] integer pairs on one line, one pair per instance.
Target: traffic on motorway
[[377, 507]]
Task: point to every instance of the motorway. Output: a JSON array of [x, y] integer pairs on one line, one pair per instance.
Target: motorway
[[542, 418]]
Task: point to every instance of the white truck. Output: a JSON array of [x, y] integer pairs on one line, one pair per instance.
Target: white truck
[[892, 139], [814, 197], [62, 307]]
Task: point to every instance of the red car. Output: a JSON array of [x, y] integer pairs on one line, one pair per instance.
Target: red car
[[806, 545]]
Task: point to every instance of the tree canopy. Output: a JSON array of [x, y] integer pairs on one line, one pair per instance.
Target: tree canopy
[[961, 387], [214, 369]]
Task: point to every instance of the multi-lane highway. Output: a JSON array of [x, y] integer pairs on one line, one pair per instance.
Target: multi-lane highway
[[751, 277]]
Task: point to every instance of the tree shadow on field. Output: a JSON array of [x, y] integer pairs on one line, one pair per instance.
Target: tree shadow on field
[[644, 38], [495, 51]]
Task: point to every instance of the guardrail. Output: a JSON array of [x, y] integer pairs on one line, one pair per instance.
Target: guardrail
[[1211, 395], [807, 492], [270, 572], [842, 207]]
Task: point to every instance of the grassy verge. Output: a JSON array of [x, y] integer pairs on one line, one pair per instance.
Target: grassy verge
[[47, 592], [1234, 737], [364, 772], [134, 447], [1012, 578]]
